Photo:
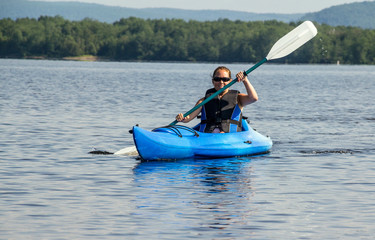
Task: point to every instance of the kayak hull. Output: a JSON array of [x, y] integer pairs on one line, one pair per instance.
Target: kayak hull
[[179, 142]]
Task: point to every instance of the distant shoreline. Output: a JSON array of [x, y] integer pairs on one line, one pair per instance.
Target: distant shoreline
[[84, 58], [91, 58]]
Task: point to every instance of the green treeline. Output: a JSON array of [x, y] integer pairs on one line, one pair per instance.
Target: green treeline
[[178, 40]]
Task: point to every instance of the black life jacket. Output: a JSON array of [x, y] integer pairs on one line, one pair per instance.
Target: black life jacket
[[223, 113]]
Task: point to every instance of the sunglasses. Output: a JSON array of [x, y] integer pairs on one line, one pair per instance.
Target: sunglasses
[[218, 79]]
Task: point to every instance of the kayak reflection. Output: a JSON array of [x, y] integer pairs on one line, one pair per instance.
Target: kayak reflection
[[210, 193]]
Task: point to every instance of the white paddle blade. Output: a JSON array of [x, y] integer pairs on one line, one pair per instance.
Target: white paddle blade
[[129, 151], [293, 40]]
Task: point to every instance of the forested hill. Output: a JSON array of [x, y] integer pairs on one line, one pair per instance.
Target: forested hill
[[26, 32], [355, 14], [360, 14], [76, 11], [135, 39]]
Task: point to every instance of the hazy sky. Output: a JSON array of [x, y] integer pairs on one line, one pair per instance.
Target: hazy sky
[[257, 6]]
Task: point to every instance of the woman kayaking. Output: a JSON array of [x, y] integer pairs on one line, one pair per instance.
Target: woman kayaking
[[223, 113]]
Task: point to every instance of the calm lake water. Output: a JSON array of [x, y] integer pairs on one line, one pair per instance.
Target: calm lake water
[[318, 182]]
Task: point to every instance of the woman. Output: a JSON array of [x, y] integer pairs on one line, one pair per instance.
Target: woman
[[224, 112]]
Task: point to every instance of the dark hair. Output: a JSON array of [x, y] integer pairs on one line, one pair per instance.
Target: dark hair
[[222, 68]]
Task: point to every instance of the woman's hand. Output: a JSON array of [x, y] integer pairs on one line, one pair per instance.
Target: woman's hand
[[180, 117], [241, 76]]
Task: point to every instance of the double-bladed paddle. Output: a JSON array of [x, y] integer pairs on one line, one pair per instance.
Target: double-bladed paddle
[[283, 47]]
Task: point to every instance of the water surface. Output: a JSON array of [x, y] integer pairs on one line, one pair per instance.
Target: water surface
[[317, 183]]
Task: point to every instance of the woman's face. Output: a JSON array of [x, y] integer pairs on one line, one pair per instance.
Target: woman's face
[[222, 79]]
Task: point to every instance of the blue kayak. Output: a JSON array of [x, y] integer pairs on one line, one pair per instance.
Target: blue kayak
[[179, 142]]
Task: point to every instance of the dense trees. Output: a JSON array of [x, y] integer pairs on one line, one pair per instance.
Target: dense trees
[[178, 40]]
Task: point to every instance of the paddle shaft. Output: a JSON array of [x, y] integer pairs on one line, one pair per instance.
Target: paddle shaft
[[219, 91], [284, 46]]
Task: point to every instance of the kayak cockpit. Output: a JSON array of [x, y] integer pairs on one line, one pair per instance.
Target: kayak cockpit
[[245, 125]]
